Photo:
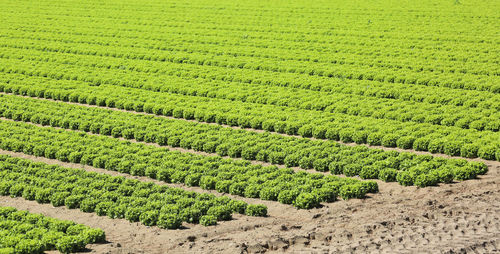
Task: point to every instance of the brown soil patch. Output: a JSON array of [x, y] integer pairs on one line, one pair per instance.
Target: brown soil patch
[[460, 217]]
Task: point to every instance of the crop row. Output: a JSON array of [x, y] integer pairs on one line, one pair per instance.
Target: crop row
[[189, 80], [163, 73], [290, 151], [236, 177], [221, 27], [287, 36], [264, 47], [137, 42], [343, 52], [29, 233], [116, 196], [246, 22], [483, 78], [376, 89], [422, 137]]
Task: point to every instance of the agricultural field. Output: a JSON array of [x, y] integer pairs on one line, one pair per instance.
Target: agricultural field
[[250, 126]]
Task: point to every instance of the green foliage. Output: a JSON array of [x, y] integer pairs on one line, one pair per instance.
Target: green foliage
[[237, 188], [70, 244], [133, 214], [29, 246], [436, 146], [288, 196], [369, 172], [306, 201], [103, 208], [256, 210], [252, 191], [88, 205], [462, 173], [238, 206], [469, 150], [264, 146], [478, 167], [375, 139], [208, 182], [352, 191], [169, 221], [73, 201], [269, 193], [223, 186], [220, 212], [117, 197], [388, 175], [324, 194], [390, 140], [208, 220], [405, 142], [488, 152], [452, 148], [370, 186], [35, 233], [405, 178], [421, 144], [425, 180], [149, 218], [352, 169], [321, 165]]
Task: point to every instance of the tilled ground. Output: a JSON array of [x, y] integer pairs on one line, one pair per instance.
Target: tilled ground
[[462, 217]]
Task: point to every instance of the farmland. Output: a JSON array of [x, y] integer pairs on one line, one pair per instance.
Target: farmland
[[249, 126]]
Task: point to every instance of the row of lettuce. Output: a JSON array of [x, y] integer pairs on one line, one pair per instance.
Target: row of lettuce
[[188, 81], [26, 38], [389, 133], [271, 47], [230, 25], [208, 49], [237, 177], [337, 81], [22, 232], [482, 76], [265, 147], [116, 196]]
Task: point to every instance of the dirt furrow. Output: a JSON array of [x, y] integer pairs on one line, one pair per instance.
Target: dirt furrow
[[458, 217]]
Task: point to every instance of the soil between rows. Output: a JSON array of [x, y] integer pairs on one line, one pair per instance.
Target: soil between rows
[[458, 217]]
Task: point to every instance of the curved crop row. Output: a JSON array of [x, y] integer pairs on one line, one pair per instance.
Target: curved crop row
[[29, 233]]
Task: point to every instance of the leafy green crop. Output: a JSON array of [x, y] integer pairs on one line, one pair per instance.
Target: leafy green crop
[[320, 155], [224, 175], [24, 232], [299, 80], [115, 197]]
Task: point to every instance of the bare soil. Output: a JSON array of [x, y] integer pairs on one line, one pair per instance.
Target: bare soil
[[462, 217]]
